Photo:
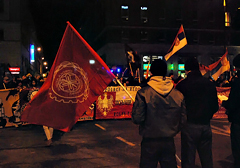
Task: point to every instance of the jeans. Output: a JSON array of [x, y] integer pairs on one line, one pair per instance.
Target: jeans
[[196, 138], [154, 150]]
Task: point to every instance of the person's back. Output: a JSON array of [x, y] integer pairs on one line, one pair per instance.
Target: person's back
[[159, 110], [163, 105], [200, 97], [233, 110], [201, 103]]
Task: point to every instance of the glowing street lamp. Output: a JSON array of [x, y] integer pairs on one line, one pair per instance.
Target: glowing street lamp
[[39, 49], [45, 63]]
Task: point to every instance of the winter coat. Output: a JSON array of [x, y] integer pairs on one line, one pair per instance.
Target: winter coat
[[159, 109], [200, 96], [233, 103]]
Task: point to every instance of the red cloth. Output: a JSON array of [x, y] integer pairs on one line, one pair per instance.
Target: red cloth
[[72, 85]]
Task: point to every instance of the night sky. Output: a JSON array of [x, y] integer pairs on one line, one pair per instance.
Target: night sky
[[50, 17]]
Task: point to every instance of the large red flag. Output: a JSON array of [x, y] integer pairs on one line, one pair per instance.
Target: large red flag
[[77, 77]]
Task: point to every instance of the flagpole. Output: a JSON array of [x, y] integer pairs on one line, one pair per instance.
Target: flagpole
[[139, 80], [4, 86], [131, 68], [125, 89]]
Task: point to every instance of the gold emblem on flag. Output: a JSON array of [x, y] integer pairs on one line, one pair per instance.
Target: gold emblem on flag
[[177, 42], [105, 104], [70, 83]]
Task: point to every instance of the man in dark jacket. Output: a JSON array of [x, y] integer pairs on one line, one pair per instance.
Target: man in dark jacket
[[233, 110], [201, 103], [159, 109]]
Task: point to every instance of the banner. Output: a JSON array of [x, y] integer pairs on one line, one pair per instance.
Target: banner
[[222, 93], [115, 103], [9, 100]]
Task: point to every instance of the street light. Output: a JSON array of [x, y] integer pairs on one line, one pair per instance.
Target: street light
[[39, 49], [45, 63]]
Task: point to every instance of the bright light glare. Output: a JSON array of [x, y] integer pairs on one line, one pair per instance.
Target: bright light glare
[[143, 8], [92, 61], [124, 7], [39, 48], [45, 63]]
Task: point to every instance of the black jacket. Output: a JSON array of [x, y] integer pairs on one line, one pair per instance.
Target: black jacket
[[200, 96], [159, 109], [233, 103]]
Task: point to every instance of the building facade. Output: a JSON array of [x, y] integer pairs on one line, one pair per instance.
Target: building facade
[[150, 28], [17, 35]]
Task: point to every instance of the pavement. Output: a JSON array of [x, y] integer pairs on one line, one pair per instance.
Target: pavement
[[99, 143]]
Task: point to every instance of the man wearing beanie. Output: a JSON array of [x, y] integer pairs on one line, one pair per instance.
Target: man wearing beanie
[[201, 103], [233, 110], [159, 110]]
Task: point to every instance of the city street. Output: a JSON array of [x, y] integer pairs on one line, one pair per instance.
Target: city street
[[99, 143]]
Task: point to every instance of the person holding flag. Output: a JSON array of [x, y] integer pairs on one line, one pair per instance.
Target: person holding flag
[[201, 103], [76, 79], [133, 64]]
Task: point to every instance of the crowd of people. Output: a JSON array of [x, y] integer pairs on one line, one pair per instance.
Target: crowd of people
[[162, 110], [164, 107], [26, 81]]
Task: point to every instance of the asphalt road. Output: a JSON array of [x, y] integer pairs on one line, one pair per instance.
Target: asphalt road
[[99, 143]]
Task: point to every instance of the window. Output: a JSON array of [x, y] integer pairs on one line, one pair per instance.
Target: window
[[178, 14], [125, 34], [195, 16], [1, 6], [144, 35], [1, 35], [124, 13], [162, 36], [211, 38], [211, 17], [162, 16], [227, 19], [196, 38], [144, 18]]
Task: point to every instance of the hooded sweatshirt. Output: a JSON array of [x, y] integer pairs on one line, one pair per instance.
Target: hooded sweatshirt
[[159, 109]]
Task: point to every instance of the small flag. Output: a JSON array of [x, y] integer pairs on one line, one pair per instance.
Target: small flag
[[203, 69], [77, 77], [220, 66], [179, 42]]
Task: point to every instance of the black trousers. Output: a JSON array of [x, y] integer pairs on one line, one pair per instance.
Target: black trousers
[[235, 144], [154, 150], [196, 138]]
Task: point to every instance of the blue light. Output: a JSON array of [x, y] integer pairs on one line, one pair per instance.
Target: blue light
[[144, 8], [118, 70], [32, 56], [111, 70], [124, 7]]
